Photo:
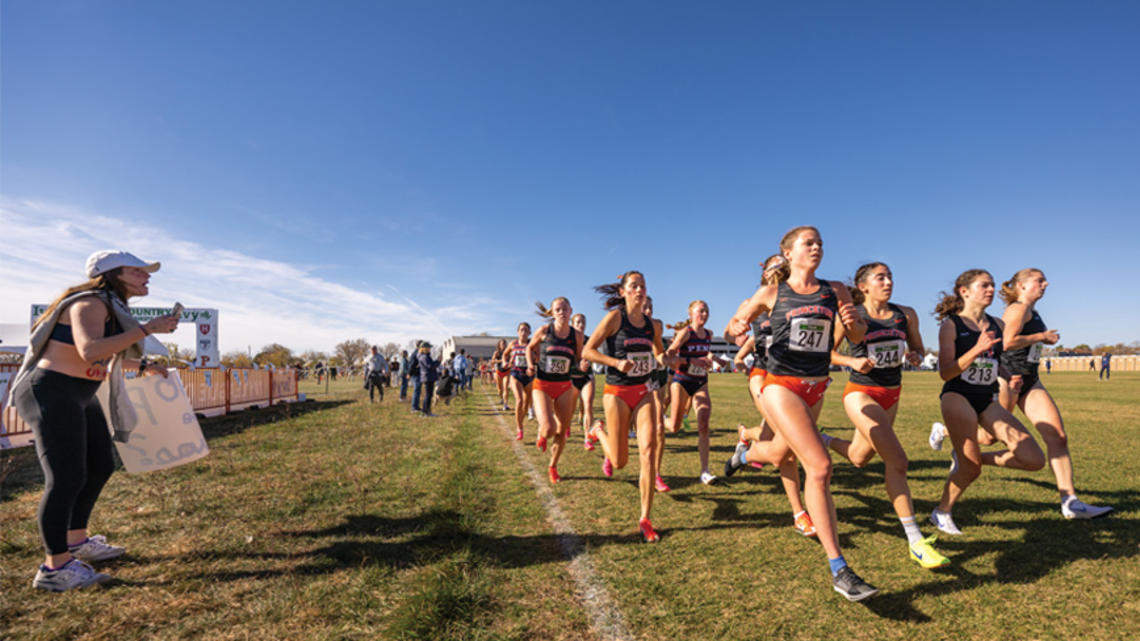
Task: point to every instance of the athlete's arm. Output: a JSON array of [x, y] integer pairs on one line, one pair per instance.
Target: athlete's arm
[[748, 346], [659, 348], [608, 326], [759, 303], [679, 340], [848, 315], [1014, 318], [913, 336], [532, 348]]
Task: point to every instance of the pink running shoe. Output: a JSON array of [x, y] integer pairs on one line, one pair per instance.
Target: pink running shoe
[[607, 467], [647, 532], [519, 435], [588, 445], [659, 483]]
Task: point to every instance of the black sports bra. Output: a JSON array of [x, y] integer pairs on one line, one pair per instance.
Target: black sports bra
[[62, 333]]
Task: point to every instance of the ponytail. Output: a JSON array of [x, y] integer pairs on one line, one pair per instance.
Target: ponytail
[[679, 326], [952, 302], [776, 269], [611, 292], [547, 313], [1009, 288]]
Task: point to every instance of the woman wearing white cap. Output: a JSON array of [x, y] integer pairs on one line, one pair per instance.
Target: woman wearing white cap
[[86, 336]]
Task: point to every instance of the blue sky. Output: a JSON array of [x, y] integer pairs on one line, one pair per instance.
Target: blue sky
[[327, 170]]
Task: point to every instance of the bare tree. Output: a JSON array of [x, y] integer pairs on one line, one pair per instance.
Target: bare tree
[[390, 350], [352, 352]]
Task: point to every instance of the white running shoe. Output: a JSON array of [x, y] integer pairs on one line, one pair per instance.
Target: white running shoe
[[1074, 508], [74, 574], [96, 548], [937, 435], [708, 479], [944, 522], [530, 414]]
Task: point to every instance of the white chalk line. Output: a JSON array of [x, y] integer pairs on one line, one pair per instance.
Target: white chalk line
[[606, 619]]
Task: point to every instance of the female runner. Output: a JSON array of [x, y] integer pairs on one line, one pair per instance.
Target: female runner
[[970, 348], [690, 384], [633, 341], [659, 385], [1023, 337], [583, 378], [520, 381], [872, 394], [761, 444], [550, 355], [501, 371], [802, 310]]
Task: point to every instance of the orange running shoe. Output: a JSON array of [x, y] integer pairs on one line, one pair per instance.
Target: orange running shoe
[[804, 524], [647, 532], [541, 443], [554, 478]]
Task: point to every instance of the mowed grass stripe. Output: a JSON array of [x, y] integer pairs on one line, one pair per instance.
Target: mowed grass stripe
[[606, 620], [334, 519]]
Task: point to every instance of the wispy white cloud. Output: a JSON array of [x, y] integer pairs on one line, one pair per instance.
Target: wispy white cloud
[[260, 301]]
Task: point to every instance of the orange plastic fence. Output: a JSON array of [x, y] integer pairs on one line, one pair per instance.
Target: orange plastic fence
[[212, 392]]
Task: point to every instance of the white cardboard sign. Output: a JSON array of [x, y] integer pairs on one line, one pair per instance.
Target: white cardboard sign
[[168, 434]]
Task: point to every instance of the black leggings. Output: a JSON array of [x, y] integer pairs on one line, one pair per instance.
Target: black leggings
[[74, 448]]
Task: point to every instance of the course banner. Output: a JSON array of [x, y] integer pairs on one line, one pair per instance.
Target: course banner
[[168, 434]]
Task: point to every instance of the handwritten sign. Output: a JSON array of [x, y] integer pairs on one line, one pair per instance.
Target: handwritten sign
[[168, 434]]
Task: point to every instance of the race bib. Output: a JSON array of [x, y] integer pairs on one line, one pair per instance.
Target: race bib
[[556, 364], [982, 371], [887, 354], [809, 335], [520, 361], [697, 371], [1034, 353], [643, 363]]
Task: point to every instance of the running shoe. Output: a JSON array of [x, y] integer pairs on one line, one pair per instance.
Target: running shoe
[[647, 532], [924, 553], [588, 445], [540, 443], [847, 583], [708, 479], [659, 484], [1075, 508], [554, 478], [95, 548], [733, 464], [607, 467], [530, 413], [519, 435], [74, 574], [937, 435], [944, 522], [804, 524]]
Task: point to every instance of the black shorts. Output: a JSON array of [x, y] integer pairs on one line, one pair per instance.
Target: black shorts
[[977, 400], [580, 383], [1027, 383], [522, 378], [691, 385]]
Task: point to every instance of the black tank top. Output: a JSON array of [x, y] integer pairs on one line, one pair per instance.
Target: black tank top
[[575, 372], [695, 347], [556, 356], [1024, 360], [885, 345], [761, 336], [981, 377], [634, 344], [801, 331]]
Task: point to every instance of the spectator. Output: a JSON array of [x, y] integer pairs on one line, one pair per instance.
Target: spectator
[[459, 368], [375, 371], [429, 373], [414, 375], [1105, 367], [403, 370]]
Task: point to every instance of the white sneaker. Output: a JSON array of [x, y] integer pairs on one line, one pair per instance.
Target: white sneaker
[[95, 548], [74, 574], [937, 435], [944, 522], [708, 479], [530, 414], [1074, 508]]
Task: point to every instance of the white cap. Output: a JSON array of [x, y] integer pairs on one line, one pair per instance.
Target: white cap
[[104, 261]]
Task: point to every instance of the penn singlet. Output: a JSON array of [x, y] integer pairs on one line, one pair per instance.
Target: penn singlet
[[801, 331], [556, 355], [981, 377], [885, 345], [633, 344], [1025, 360], [518, 357], [695, 347]]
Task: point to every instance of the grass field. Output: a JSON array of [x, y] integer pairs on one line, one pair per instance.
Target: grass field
[[336, 519]]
